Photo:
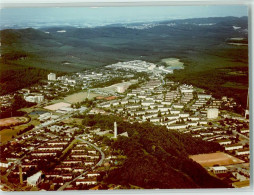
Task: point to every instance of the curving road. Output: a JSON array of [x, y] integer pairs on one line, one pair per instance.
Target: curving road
[[84, 173]]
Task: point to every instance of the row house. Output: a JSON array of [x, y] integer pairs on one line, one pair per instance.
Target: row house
[[86, 181], [156, 119], [54, 143], [40, 153], [51, 175], [70, 162], [77, 150], [63, 168], [50, 148], [202, 122], [224, 142], [192, 123], [178, 106], [78, 155], [93, 174], [233, 147], [206, 133], [93, 156], [177, 126], [194, 118], [243, 152], [171, 117], [78, 169], [67, 177], [146, 103], [88, 162], [175, 111], [147, 116], [92, 151], [28, 165]]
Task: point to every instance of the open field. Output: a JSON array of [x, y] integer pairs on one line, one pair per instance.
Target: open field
[[12, 121], [76, 121], [173, 63], [79, 97], [218, 158]]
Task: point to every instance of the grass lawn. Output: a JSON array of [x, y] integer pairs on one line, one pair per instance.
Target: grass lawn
[[79, 97]]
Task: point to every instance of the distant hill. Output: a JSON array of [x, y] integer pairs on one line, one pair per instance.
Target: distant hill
[[201, 43]]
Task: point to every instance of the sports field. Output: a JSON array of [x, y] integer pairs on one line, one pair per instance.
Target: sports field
[[57, 106], [7, 132], [12, 121], [218, 158]]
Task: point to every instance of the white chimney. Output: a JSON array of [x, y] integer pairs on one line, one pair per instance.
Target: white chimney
[[115, 130]]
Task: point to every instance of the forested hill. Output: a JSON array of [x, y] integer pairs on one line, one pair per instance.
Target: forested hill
[[157, 157]]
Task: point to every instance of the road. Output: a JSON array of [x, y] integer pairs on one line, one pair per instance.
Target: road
[[84, 173]]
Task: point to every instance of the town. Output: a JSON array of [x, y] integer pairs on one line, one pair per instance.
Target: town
[[53, 150]]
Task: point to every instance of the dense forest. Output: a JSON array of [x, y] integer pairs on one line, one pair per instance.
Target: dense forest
[[12, 80], [156, 157]]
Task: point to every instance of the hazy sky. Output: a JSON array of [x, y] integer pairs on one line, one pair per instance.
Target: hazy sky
[[93, 16]]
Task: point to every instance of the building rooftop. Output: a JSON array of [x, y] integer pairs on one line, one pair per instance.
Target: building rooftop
[[34, 178]]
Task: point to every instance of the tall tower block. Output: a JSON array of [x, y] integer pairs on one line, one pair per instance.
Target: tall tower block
[[115, 130]]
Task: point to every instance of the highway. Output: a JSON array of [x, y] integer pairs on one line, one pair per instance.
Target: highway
[[84, 173]]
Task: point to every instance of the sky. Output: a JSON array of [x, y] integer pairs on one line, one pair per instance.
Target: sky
[[97, 16]]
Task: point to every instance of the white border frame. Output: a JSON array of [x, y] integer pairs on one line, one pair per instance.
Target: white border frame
[[113, 3]]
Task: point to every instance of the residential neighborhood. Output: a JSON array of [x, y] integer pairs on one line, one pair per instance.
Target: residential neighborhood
[[58, 153]]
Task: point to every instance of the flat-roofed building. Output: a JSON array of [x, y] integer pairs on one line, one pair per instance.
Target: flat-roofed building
[[219, 170]]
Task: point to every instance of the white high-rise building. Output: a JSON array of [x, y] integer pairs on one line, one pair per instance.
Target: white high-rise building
[[52, 76], [212, 113]]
